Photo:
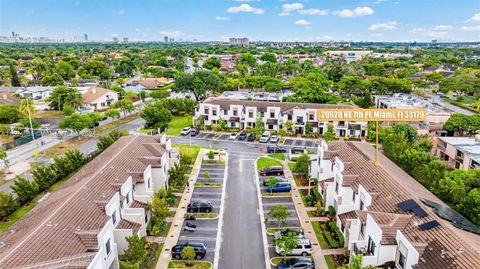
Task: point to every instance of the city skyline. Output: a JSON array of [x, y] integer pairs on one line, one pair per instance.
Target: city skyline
[[267, 20]]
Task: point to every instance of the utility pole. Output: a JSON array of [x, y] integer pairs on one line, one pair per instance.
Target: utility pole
[[30, 119]]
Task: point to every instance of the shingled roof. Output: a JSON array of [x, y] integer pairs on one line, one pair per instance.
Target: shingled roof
[[62, 228], [439, 247]]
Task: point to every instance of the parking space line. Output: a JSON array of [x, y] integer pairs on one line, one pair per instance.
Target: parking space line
[[262, 219], [218, 240]]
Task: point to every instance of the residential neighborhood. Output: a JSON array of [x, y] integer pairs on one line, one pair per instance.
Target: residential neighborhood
[[240, 134]]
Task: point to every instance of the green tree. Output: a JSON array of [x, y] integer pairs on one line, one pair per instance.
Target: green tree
[[177, 176], [68, 110], [65, 70], [188, 253], [136, 254], [329, 135], [452, 187], [269, 57], [7, 204], [462, 125], [212, 62], [52, 80], [158, 213], [26, 106], [76, 122], [286, 243], [124, 105], [130, 95], [271, 182], [302, 164], [279, 213], [247, 59], [198, 83], [259, 128], [470, 206], [95, 68], [112, 113], [62, 96], [156, 116], [9, 113], [14, 80], [119, 90], [207, 175], [4, 159], [24, 189]]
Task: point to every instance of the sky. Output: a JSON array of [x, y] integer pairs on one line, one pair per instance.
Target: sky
[[267, 20]]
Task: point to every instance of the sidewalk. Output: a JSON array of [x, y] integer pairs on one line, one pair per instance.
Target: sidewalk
[[177, 222], [317, 254]]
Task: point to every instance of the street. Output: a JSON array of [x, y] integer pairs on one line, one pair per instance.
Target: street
[[436, 99]]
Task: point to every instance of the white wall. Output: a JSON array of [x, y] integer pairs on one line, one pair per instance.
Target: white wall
[[412, 253]]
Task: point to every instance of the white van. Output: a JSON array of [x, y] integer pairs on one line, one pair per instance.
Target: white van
[[265, 137], [304, 248]]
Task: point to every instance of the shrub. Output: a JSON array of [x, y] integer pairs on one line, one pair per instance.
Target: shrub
[[334, 227], [330, 240], [8, 204], [309, 200], [24, 189], [186, 159], [331, 211], [211, 155]]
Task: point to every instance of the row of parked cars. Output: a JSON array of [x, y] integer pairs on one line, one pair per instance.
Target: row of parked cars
[[303, 248]]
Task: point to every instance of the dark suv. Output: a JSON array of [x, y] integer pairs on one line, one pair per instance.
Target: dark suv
[[200, 250], [271, 171], [251, 137], [242, 136], [200, 206], [276, 150]]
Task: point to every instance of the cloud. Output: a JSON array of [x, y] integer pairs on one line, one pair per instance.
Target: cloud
[[171, 33], [475, 18], [245, 8], [287, 8], [418, 30], [220, 18], [121, 12], [392, 25], [429, 33], [442, 28], [246, 0], [303, 23], [314, 11], [470, 28], [357, 12]]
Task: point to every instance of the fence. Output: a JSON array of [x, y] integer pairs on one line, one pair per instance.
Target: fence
[[20, 141]]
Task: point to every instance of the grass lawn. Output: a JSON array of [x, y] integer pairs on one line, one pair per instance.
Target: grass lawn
[[271, 231], [321, 239], [205, 215], [291, 165], [198, 184], [279, 156], [166, 230], [23, 210], [66, 145], [195, 264], [178, 123], [6, 138], [192, 150], [147, 131], [48, 114], [265, 162]]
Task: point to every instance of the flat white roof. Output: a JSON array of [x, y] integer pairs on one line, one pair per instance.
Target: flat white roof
[[468, 145]]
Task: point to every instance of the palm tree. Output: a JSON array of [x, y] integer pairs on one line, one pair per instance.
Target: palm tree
[[26, 106]]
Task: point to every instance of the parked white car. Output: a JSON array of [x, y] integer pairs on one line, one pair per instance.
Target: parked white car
[[304, 248], [186, 131], [233, 136], [274, 139], [265, 137]]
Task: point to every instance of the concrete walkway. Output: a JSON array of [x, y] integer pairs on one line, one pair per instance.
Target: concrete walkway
[[333, 251], [177, 221], [317, 254], [319, 219]]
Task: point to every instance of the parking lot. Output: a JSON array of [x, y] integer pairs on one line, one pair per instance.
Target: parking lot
[[268, 203], [292, 142], [207, 229]]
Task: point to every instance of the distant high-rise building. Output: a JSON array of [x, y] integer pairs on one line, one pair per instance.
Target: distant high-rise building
[[115, 39], [85, 37], [165, 39], [171, 40], [125, 40], [239, 41]]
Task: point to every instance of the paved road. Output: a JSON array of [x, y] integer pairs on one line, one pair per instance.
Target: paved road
[[242, 243], [436, 99]]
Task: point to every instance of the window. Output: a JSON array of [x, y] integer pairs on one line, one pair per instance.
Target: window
[[250, 114], [353, 197], [336, 187], [206, 111], [235, 113], [371, 246], [127, 198], [311, 117], [272, 114], [270, 127], [401, 256], [225, 112], [108, 247], [262, 114], [148, 183], [114, 217], [214, 112], [362, 230], [102, 104], [289, 117]]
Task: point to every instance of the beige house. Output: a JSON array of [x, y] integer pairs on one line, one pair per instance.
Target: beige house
[[96, 98], [458, 152]]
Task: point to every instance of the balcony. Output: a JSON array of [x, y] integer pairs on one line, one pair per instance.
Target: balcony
[[360, 247]]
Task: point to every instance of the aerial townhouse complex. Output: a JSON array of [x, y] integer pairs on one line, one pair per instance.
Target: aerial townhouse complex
[[381, 219], [243, 114], [84, 223], [458, 152]]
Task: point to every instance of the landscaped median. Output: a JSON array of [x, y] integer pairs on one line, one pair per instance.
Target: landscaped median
[[271, 231], [190, 265], [263, 162], [204, 216]]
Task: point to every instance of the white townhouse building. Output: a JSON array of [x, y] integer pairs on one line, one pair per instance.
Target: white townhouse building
[[243, 114], [85, 222], [380, 219]]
